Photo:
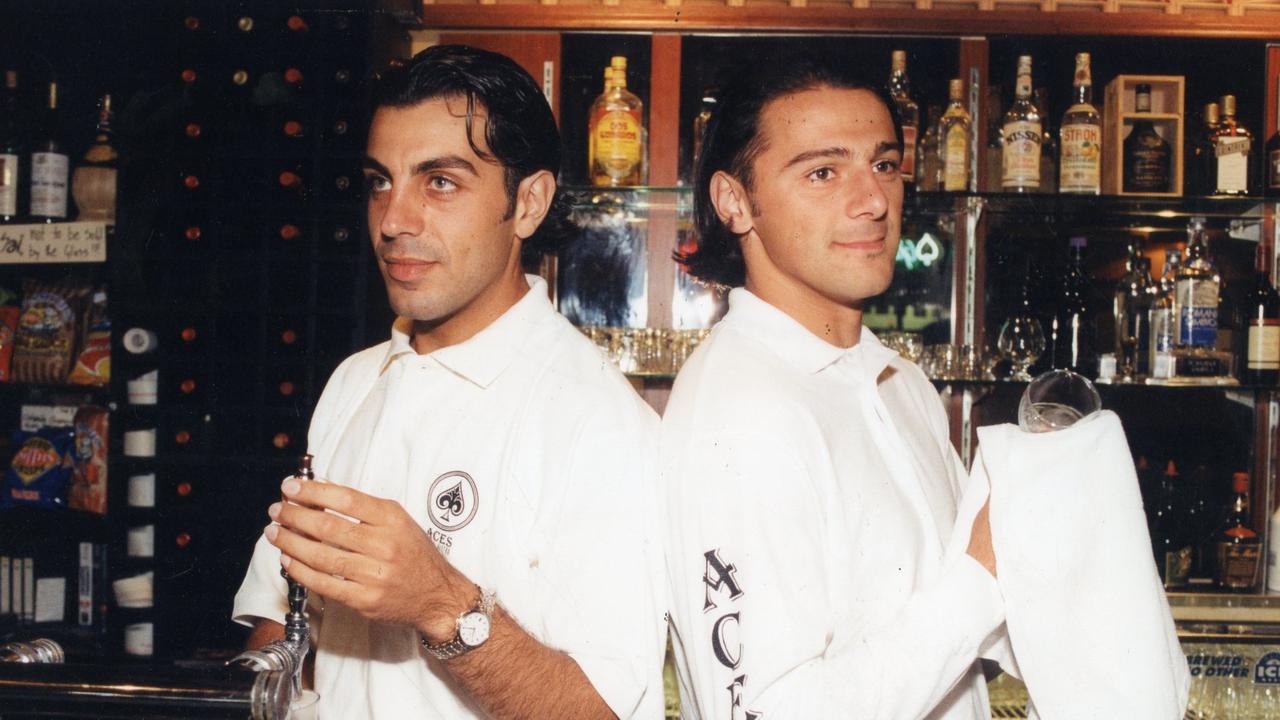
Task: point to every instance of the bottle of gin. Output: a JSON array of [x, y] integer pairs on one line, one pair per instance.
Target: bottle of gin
[[1196, 293], [1232, 151], [1080, 163], [1022, 133], [900, 90]]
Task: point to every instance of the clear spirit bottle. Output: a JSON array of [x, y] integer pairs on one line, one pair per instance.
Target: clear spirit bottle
[[1080, 165], [1022, 133], [1197, 290], [900, 90]]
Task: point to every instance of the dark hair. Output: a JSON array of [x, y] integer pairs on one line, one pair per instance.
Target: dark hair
[[732, 142], [520, 130]]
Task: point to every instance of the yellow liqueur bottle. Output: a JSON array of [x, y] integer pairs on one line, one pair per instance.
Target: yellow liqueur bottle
[[954, 140], [616, 129]]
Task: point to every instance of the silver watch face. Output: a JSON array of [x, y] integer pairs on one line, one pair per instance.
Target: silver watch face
[[473, 629]]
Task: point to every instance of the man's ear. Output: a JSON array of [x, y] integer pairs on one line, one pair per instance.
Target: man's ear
[[533, 200], [731, 202]]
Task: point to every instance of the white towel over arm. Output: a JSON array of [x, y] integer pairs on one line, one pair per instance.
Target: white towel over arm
[[1086, 613]]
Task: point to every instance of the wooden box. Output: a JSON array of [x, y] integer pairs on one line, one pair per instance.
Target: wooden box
[[1118, 116]]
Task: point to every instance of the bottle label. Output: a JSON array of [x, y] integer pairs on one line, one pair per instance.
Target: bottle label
[[1081, 166], [49, 185], [617, 142], [1273, 170], [9, 184], [909, 152], [1238, 564], [1177, 567], [955, 168], [1022, 141], [1264, 344], [1197, 312], [1232, 155]]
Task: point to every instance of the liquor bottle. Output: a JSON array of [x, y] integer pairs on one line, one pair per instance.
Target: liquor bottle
[[1197, 291], [1147, 157], [1262, 305], [1022, 134], [1131, 309], [1273, 554], [955, 140], [11, 151], [1205, 164], [1271, 156], [1163, 315], [1048, 144], [49, 167], [1071, 337], [1172, 546], [94, 182], [929, 176], [1201, 522], [616, 128], [700, 123], [908, 110], [1239, 549], [1080, 166], [1232, 149]]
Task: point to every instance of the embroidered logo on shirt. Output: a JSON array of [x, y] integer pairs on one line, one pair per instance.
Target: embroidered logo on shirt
[[453, 499], [726, 644]]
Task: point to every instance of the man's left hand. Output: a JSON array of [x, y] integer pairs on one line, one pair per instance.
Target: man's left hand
[[383, 565]]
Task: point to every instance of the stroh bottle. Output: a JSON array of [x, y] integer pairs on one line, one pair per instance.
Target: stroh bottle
[[1080, 166]]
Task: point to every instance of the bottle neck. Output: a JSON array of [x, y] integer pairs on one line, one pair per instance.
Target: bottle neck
[[1084, 94]]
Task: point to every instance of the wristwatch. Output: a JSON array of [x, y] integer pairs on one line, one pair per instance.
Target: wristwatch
[[473, 630]]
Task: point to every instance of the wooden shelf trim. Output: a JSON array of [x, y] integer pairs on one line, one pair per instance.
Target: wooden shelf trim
[[1257, 19]]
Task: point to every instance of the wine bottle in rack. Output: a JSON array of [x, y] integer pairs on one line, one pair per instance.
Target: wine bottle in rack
[[50, 166]]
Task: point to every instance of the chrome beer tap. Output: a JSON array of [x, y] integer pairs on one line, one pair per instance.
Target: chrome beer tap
[[284, 658]]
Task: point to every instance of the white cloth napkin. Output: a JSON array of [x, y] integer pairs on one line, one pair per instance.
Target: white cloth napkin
[[1087, 618]]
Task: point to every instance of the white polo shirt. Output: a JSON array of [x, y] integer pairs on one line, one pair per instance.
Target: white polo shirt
[[809, 491], [530, 461]]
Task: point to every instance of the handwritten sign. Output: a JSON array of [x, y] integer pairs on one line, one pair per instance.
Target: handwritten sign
[[77, 242]]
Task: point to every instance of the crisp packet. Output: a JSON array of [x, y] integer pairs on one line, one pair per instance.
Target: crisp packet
[[41, 468]]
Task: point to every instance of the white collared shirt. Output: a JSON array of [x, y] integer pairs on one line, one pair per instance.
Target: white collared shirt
[[809, 491], [529, 460]]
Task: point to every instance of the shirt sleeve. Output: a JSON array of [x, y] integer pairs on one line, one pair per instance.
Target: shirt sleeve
[[600, 579], [761, 633], [264, 593]]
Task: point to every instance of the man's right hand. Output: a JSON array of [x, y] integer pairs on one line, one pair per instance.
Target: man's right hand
[[980, 547]]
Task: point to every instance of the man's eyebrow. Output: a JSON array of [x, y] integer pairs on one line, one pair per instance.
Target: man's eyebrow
[[885, 147], [444, 162], [804, 157]]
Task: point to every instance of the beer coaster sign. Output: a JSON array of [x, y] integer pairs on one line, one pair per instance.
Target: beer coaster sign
[[74, 242]]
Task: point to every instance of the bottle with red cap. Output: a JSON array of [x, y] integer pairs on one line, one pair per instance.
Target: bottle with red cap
[[1238, 545], [1173, 548]]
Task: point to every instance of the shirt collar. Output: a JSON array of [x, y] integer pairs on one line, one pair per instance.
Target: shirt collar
[[799, 347], [481, 358]]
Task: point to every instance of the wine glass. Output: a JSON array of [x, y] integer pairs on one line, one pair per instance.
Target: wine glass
[[1022, 341], [1055, 400]]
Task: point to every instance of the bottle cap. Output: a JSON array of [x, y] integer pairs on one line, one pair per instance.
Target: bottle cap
[[1228, 105], [899, 59], [1240, 482], [1079, 241], [1171, 469]]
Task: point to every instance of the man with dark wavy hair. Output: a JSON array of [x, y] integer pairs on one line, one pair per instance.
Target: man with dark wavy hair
[[480, 547], [810, 487]]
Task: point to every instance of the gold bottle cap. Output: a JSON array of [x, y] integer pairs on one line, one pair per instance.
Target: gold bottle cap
[[1228, 105], [1083, 76], [1211, 114], [1024, 64], [955, 89], [245, 24], [899, 59], [11, 79], [618, 62], [53, 95]]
